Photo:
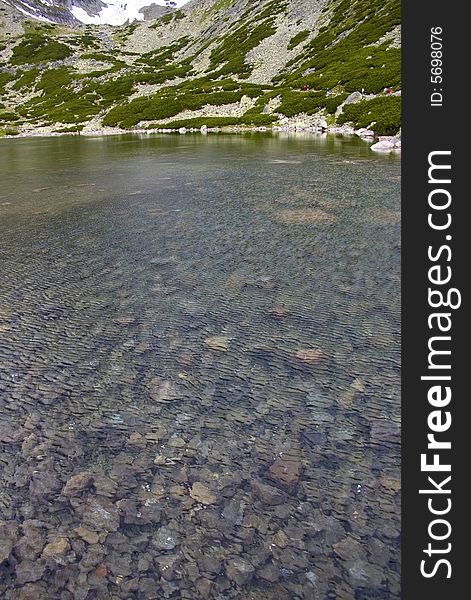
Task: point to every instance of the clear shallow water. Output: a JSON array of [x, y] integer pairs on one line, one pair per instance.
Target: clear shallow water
[[199, 368]]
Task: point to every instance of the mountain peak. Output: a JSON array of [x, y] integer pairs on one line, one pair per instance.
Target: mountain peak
[[96, 12]]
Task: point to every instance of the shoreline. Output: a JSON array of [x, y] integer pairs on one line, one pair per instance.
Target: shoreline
[[385, 144]]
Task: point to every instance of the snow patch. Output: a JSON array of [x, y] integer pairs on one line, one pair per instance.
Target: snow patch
[[117, 12]]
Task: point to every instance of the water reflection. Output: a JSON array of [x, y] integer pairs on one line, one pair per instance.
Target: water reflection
[[199, 368]]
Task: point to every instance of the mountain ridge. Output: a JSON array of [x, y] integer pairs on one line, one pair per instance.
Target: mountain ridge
[[69, 11], [299, 63]]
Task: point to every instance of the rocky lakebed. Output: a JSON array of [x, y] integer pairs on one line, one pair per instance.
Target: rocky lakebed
[[199, 380]]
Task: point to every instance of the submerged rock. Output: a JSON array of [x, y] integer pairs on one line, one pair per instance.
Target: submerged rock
[[56, 549], [167, 566], [91, 537], [269, 573], [239, 570], [310, 355], [305, 216], [217, 342], [77, 484], [165, 391], [31, 544], [234, 511], [165, 539], [267, 493], [101, 514], [29, 571], [8, 536], [201, 493], [44, 484], [286, 472]]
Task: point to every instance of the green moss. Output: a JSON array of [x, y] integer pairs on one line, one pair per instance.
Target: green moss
[[383, 114], [35, 48]]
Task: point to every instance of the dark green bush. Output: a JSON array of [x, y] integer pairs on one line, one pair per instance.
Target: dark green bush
[[298, 38], [35, 48], [26, 80], [4, 79], [383, 114], [256, 120], [343, 55]]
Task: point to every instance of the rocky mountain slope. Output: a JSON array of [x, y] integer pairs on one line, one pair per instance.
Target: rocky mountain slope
[[112, 12], [209, 63]]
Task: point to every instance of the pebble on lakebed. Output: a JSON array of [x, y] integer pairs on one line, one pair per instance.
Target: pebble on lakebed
[[208, 405]]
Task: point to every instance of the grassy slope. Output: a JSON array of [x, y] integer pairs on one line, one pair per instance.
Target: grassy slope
[[43, 86]]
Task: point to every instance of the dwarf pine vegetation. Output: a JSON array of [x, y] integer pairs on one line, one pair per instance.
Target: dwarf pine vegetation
[[205, 63]]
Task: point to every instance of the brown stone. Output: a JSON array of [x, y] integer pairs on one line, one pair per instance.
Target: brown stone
[[137, 440], [29, 571], [77, 484], [101, 571], [310, 355], [101, 514], [91, 537], [239, 570], [217, 342], [56, 548], [313, 216], [286, 472], [201, 493], [267, 493], [8, 535], [31, 544]]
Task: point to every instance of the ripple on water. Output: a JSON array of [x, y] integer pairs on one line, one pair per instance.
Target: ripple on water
[[199, 356]]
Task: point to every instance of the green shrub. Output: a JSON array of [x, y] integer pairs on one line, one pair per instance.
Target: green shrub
[[343, 55], [4, 79], [35, 48], [73, 129], [7, 116], [26, 80], [196, 123], [89, 41], [298, 38], [233, 48], [8, 131], [333, 102], [168, 102], [383, 114], [163, 20]]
